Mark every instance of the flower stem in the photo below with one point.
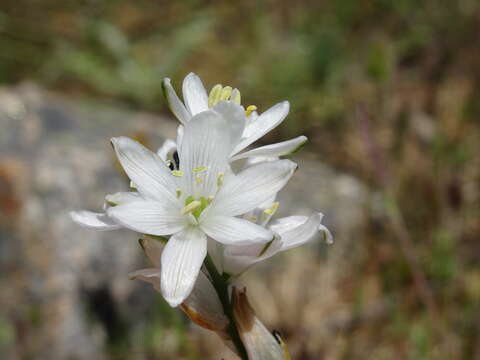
(221, 287)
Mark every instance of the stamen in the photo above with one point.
(177, 173)
(178, 192)
(272, 209)
(198, 179)
(132, 185)
(236, 97)
(220, 178)
(210, 199)
(199, 169)
(251, 218)
(192, 206)
(250, 109)
(214, 95)
(226, 92)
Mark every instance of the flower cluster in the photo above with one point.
(202, 223)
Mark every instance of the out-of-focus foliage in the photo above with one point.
(388, 91)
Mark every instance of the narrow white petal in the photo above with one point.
(274, 150)
(148, 172)
(282, 225)
(267, 121)
(168, 146)
(148, 217)
(205, 145)
(194, 94)
(176, 106)
(122, 197)
(326, 234)
(302, 233)
(231, 230)
(239, 259)
(252, 186)
(182, 259)
(234, 114)
(150, 275)
(180, 131)
(97, 221)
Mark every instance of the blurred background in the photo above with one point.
(388, 93)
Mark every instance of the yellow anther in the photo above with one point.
(214, 96)
(220, 178)
(178, 192)
(210, 199)
(272, 209)
(198, 179)
(250, 109)
(252, 219)
(132, 185)
(177, 173)
(195, 204)
(236, 97)
(226, 92)
(199, 169)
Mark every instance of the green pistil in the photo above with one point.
(203, 204)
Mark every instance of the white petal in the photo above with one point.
(204, 307)
(231, 230)
(147, 171)
(300, 234)
(182, 259)
(205, 144)
(176, 106)
(234, 114)
(168, 146)
(238, 259)
(326, 234)
(122, 197)
(267, 121)
(97, 221)
(194, 94)
(282, 225)
(252, 186)
(151, 276)
(148, 217)
(180, 131)
(275, 150)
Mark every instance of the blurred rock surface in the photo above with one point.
(66, 291)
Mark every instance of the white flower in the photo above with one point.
(196, 100)
(290, 232)
(200, 198)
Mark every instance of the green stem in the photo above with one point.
(221, 286)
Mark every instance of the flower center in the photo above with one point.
(195, 206)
